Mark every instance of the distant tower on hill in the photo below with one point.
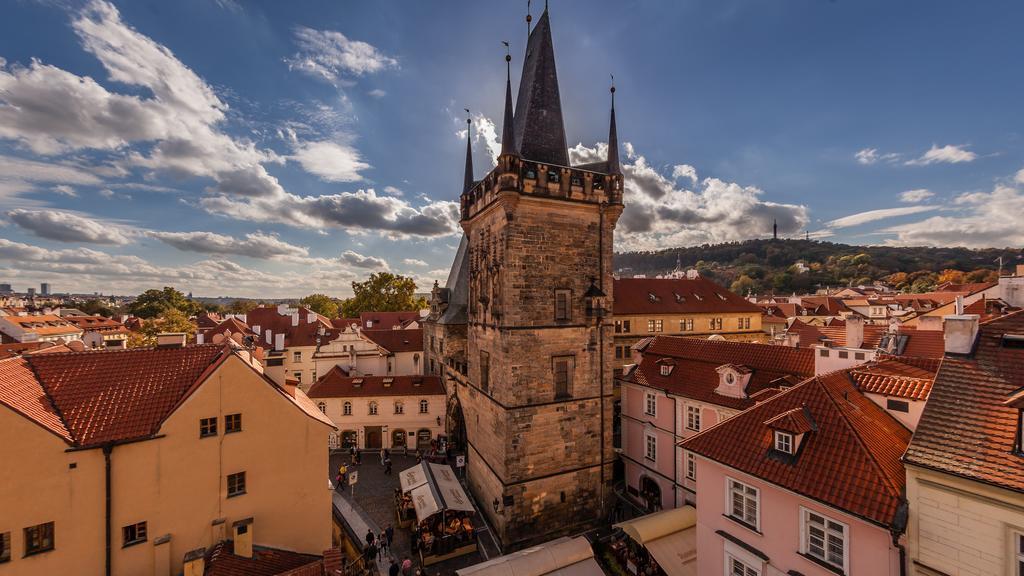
(775, 229)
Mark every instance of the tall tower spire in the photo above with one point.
(508, 138)
(613, 139)
(468, 182)
(539, 129)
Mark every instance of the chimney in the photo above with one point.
(270, 336)
(792, 339)
(218, 532)
(290, 385)
(959, 305)
(295, 319)
(854, 332)
(242, 532)
(256, 330)
(311, 317)
(929, 323)
(195, 562)
(278, 342)
(282, 309)
(171, 340)
(200, 338)
(960, 331)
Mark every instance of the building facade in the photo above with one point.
(532, 383)
(195, 440)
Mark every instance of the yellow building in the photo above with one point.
(124, 461)
(692, 306)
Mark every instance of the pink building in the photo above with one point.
(681, 386)
(808, 482)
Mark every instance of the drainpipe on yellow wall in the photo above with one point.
(107, 450)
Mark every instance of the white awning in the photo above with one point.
(453, 496)
(434, 487)
(562, 557)
(424, 502)
(413, 477)
(670, 536)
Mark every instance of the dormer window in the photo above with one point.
(652, 297)
(666, 369)
(784, 442)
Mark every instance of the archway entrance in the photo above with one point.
(650, 492)
(398, 439)
(373, 437)
(349, 438)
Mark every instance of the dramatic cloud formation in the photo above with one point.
(359, 261)
(917, 195)
(18, 175)
(485, 132)
(329, 55)
(948, 154)
(331, 161)
(979, 220)
(254, 245)
(68, 227)
(874, 215)
(660, 214)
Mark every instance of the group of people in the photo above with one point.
(633, 558)
(442, 533)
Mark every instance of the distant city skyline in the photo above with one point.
(272, 150)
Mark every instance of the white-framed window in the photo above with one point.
(372, 409)
(346, 409)
(651, 405)
(686, 325)
(824, 538)
(691, 466)
(424, 406)
(736, 567)
(784, 442)
(743, 503)
(651, 447)
(322, 406)
(297, 356)
(399, 407)
(1018, 548)
(693, 418)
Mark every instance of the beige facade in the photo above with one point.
(396, 423)
(632, 328)
(958, 527)
(175, 482)
(359, 355)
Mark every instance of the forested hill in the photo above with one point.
(772, 265)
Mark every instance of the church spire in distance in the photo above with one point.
(613, 138)
(468, 183)
(508, 140)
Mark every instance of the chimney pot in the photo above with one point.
(959, 332)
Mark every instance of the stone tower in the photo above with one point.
(533, 382)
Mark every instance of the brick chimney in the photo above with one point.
(929, 323)
(960, 330)
(854, 332)
(278, 342)
(243, 538)
(195, 562)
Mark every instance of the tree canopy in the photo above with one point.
(382, 292)
(321, 304)
(171, 320)
(154, 302)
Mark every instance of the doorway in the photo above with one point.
(373, 437)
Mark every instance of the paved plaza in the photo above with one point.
(374, 498)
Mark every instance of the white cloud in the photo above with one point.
(331, 161)
(685, 171)
(359, 261)
(329, 55)
(107, 193)
(976, 220)
(916, 195)
(658, 214)
(1019, 177)
(377, 93)
(948, 154)
(254, 245)
(65, 190)
(19, 176)
(485, 132)
(69, 227)
(393, 191)
(869, 156)
(414, 262)
(874, 215)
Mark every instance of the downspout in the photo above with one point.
(899, 527)
(107, 450)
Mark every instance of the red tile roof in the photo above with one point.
(851, 461)
(335, 384)
(409, 340)
(895, 376)
(18, 348)
(676, 296)
(96, 323)
(222, 561)
(698, 360)
(44, 324)
(387, 320)
(918, 343)
(230, 325)
(20, 391)
(304, 334)
(795, 421)
(969, 288)
(823, 305)
(966, 429)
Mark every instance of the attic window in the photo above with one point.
(697, 296)
(652, 297)
(1013, 341)
(388, 382)
(720, 297)
(666, 369)
(783, 442)
(679, 297)
(357, 382)
(417, 382)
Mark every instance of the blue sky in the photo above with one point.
(279, 148)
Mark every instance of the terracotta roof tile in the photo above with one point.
(20, 390)
(894, 377)
(409, 340)
(918, 343)
(335, 384)
(676, 296)
(851, 461)
(43, 324)
(795, 421)
(697, 362)
(222, 561)
(303, 334)
(966, 429)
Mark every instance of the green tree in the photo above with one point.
(744, 285)
(154, 302)
(382, 292)
(242, 306)
(172, 320)
(95, 306)
(321, 304)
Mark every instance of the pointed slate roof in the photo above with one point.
(468, 181)
(508, 139)
(539, 129)
(458, 287)
(613, 141)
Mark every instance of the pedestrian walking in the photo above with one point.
(394, 568)
(382, 451)
(370, 537)
(371, 553)
(389, 532)
(387, 465)
(338, 482)
(406, 567)
(382, 542)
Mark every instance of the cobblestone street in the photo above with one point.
(374, 497)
